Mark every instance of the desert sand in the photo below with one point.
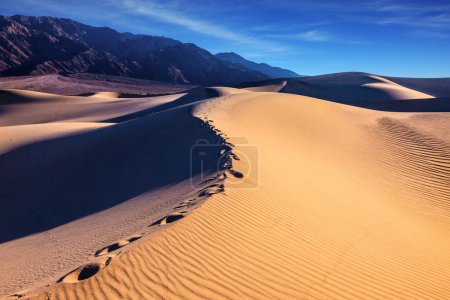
(85, 83)
(394, 90)
(315, 200)
(356, 87)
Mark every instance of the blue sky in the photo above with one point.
(387, 37)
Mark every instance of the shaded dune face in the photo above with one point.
(414, 105)
(52, 182)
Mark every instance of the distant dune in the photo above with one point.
(84, 83)
(26, 107)
(260, 192)
(358, 87)
(437, 87)
(394, 90)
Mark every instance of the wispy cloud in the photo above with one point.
(439, 22)
(163, 13)
(318, 36)
(378, 12)
(309, 36)
(384, 6)
(417, 19)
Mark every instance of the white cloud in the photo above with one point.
(438, 21)
(319, 36)
(315, 36)
(162, 13)
(309, 36)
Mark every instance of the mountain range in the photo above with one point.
(273, 72)
(49, 45)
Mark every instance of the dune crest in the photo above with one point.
(394, 90)
(274, 87)
(112, 95)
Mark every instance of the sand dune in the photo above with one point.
(356, 87)
(193, 96)
(13, 137)
(69, 189)
(87, 170)
(394, 90)
(20, 107)
(437, 87)
(325, 201)
(106, 95)
(275, 87)
(85, 83)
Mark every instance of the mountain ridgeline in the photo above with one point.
(273, 72)
(49, 45)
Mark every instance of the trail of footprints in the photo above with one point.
(191, 199)
(207, 188)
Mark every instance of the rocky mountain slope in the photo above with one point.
(48, 45)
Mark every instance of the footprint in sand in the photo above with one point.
(236, 174)
(117, 245)
(169, 219)
(227, 164)
(86, 271)
(218, 178)
(185, 204)
(234, 156)
(16, 296)
(180, 206)
(211, 190)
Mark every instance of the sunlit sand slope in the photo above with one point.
(394, 90)
(347, 203)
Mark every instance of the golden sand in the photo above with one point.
(347, 203)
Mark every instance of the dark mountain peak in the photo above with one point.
(273, 72)
(231, 55)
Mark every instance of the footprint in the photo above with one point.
(181, 206)
(169, 219)
(172, 218)
(236, 174)
(117, 245)
(234, 156)
(86, 271)
(185, 204)
(218, 178)
(211, 190)
(16, 296)
(227, 164)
